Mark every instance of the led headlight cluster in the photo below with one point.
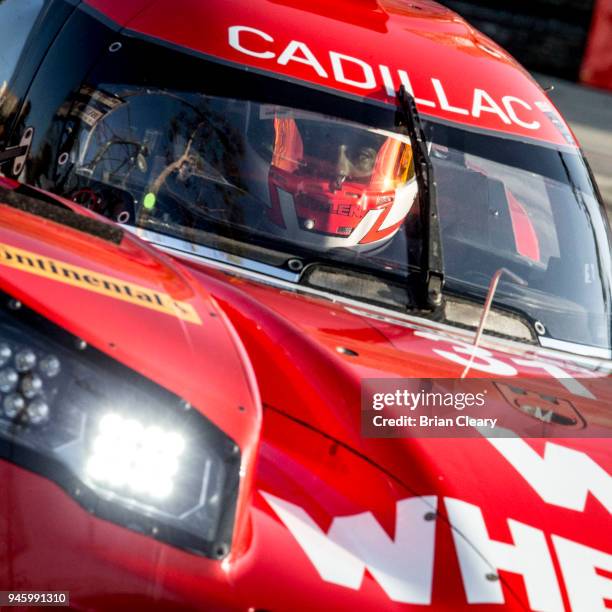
(125, 448)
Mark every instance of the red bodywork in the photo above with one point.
(275, 352)
(364, 48)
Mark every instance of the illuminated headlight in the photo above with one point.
(142, 460)
(126, 449)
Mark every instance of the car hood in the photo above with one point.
(497, 500)
(321, 493)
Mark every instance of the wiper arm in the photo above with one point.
(432, 263)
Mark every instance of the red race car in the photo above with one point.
(242, 245)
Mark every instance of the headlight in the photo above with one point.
(125, 448)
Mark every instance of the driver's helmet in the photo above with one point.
(330, 183)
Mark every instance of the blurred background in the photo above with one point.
(566, 44)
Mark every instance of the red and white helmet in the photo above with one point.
(331, 183)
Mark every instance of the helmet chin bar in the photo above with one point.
(375, 221)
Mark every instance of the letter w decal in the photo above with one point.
(563, 477)
(403, 567)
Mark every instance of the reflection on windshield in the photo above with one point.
(192, 165)
(530, 219)
(229, 166)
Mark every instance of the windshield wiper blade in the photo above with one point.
(432, 263)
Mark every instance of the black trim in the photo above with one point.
(25, 200)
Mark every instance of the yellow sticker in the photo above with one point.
(110, 286)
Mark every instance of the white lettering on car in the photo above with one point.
(562, 477)
(403, 567)
(404, 79)
(528, 556)
(234, 41)
(487, 364)
(444, 105)
(338, 60)
(299, 52)
(508, 102)
(586, 589)
(462, 352)
(307, 57)
(483, 102)
(494, 365)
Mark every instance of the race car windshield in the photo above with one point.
(206, 165)
(242, 169)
